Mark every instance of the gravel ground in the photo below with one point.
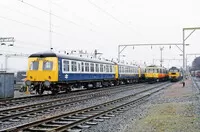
(78, 106)
(174, 109)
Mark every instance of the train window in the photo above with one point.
(47, 65)
(87, 67)
(82, 66)
(104, 68)
(34, 65)
(111, 70)
(66, 65)
(175, 70)
(97, 67)
(74, 66)
(126, 69)
(101, 67)
(92, 67)
(123, 69)
(79, 67)
(107, 68)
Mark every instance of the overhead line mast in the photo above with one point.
(50, 27)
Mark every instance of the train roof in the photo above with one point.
(154, 66)
(79, 58)
(172, 68)
(122, 64)
(66, 56)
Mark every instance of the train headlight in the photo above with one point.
(28, 83)
(47, 83)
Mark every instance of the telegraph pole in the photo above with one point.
(161, 60)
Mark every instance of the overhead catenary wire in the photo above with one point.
(47, 12)
(30, 25)
(26, 14)
(66, 10)
(23, 23)
(108, 14)
(61, 18)
(33, 26)
(55, 15)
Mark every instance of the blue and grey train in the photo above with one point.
(50, 71)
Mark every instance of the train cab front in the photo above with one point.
(173, 76)
(42, 73)
(151, 77)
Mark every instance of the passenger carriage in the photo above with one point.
(57, 72)
(128, 73)
(156, 74)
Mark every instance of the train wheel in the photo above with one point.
(116, 83)
(40, 89)
(54, 92)
(68, 90)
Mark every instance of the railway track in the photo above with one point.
(14, 114)
(34, 99)
(77, 118)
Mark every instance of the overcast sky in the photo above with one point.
(102, 25)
